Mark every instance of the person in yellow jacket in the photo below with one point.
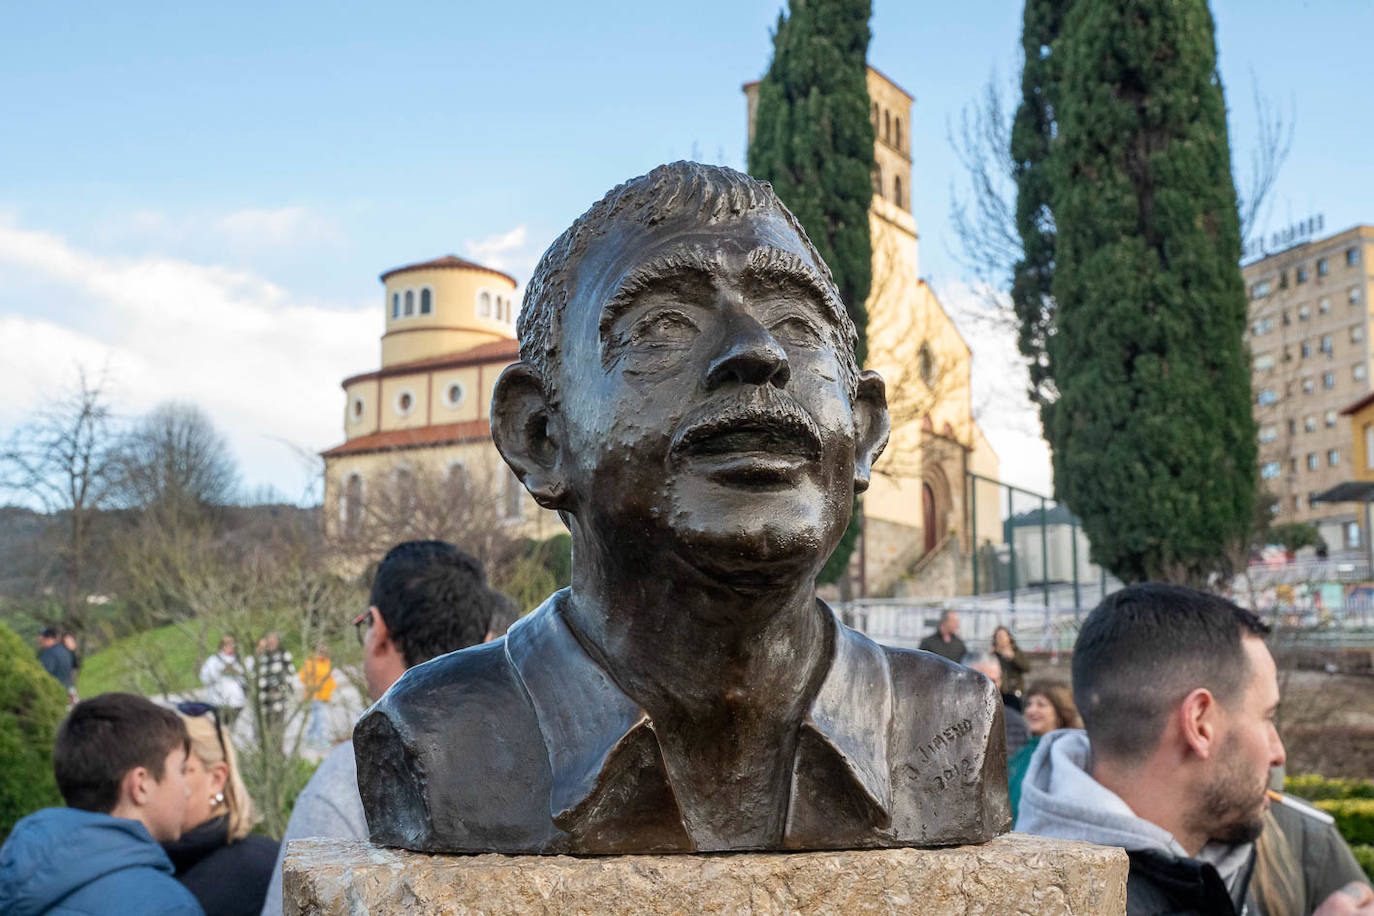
(317, 674)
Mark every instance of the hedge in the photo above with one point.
(1317, 788)
(1365, 856)
(32, 704)
(1354, 818)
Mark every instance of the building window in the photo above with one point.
(1327, 346)
(1352, 534)
(1352, 295)
(1358, 371)
(1352, 257)
(1292, 427)
(897, 191)
(1330, 418)
(1329, 380)
(1297, 502)
(1259, 290)
(1308, 386)
(484, 304)
(395, 305)
(405, 402)
(456, 479)
(897, 133)
(1264, 361)
(1266, 397)
(410, 303)
(351, 506)
(1283, 279)
(426, 301)
(1309, 423)
(1369, 445)
(405, 492)
(1323, 305)
(1268, 433)
(355, 410)
(515, 497)
(877, 182)
(1304, 313)
(1263, 326)
(1302, 274)
(1314, 461)
(887, 126)
(1306, 349)
(1356, 333)
(1333, 457)
(1270, 470)
(1323, 267)
(453, 394)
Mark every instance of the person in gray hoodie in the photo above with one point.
(1178, 694)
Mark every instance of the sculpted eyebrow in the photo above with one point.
(777, 264)
(685, 261)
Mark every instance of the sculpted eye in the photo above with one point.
(798, 331)
(662, 329)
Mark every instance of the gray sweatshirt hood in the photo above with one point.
(1059, 799)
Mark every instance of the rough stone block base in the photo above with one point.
(1014, 874)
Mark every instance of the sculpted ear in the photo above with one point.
(871, 426)
(524, 428)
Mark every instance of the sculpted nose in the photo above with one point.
(749, 355)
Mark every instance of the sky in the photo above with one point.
(196, 199)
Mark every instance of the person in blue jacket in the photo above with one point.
(120, 762)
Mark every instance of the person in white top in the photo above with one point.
(222, 674)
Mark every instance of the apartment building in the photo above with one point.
(1310, 321)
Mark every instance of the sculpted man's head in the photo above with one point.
(687, 387)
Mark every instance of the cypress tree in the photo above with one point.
(813, 140)
(1152, 432)
(1032, 135)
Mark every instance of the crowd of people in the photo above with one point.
(1164, 745)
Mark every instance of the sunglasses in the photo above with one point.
(360, 625)
(196, 709)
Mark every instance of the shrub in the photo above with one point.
(1316, 788)
(1354, 818)
(1365, 856)
(32, 703)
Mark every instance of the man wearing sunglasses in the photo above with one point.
(428, 598)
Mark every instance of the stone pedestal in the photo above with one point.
(1014, 874)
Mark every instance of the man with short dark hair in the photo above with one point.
(945, 640)
(1178, 694)
(428, 598)
(56, 658)
(120, 762)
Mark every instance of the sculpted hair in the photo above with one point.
(709, 193)
(105, 737)
(1145, 648)
(434, 599)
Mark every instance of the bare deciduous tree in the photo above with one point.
(174, 462)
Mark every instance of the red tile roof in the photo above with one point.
(447, 262)
(400, 439)
(503, 352)
(1359, 405)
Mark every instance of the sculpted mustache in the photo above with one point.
(780, 417)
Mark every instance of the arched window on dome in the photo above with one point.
(426, 301)
(395, 305)
(484, 304)
(410, 302)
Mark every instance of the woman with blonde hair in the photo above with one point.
(218, 858)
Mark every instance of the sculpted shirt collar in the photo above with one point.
(586, 720)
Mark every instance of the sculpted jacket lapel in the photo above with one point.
(608, 776)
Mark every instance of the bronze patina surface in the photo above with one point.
(687, 399)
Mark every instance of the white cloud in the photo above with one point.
(1000, 381)
(255, 228)
(508, 251)
(265, 364)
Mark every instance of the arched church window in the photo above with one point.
(426, 301)
(410, 302)
(395, 305)
(897, 133)
(897, 191)
(484, 304)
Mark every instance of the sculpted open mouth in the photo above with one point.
(755, 448)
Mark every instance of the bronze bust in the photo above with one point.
(687, 399)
